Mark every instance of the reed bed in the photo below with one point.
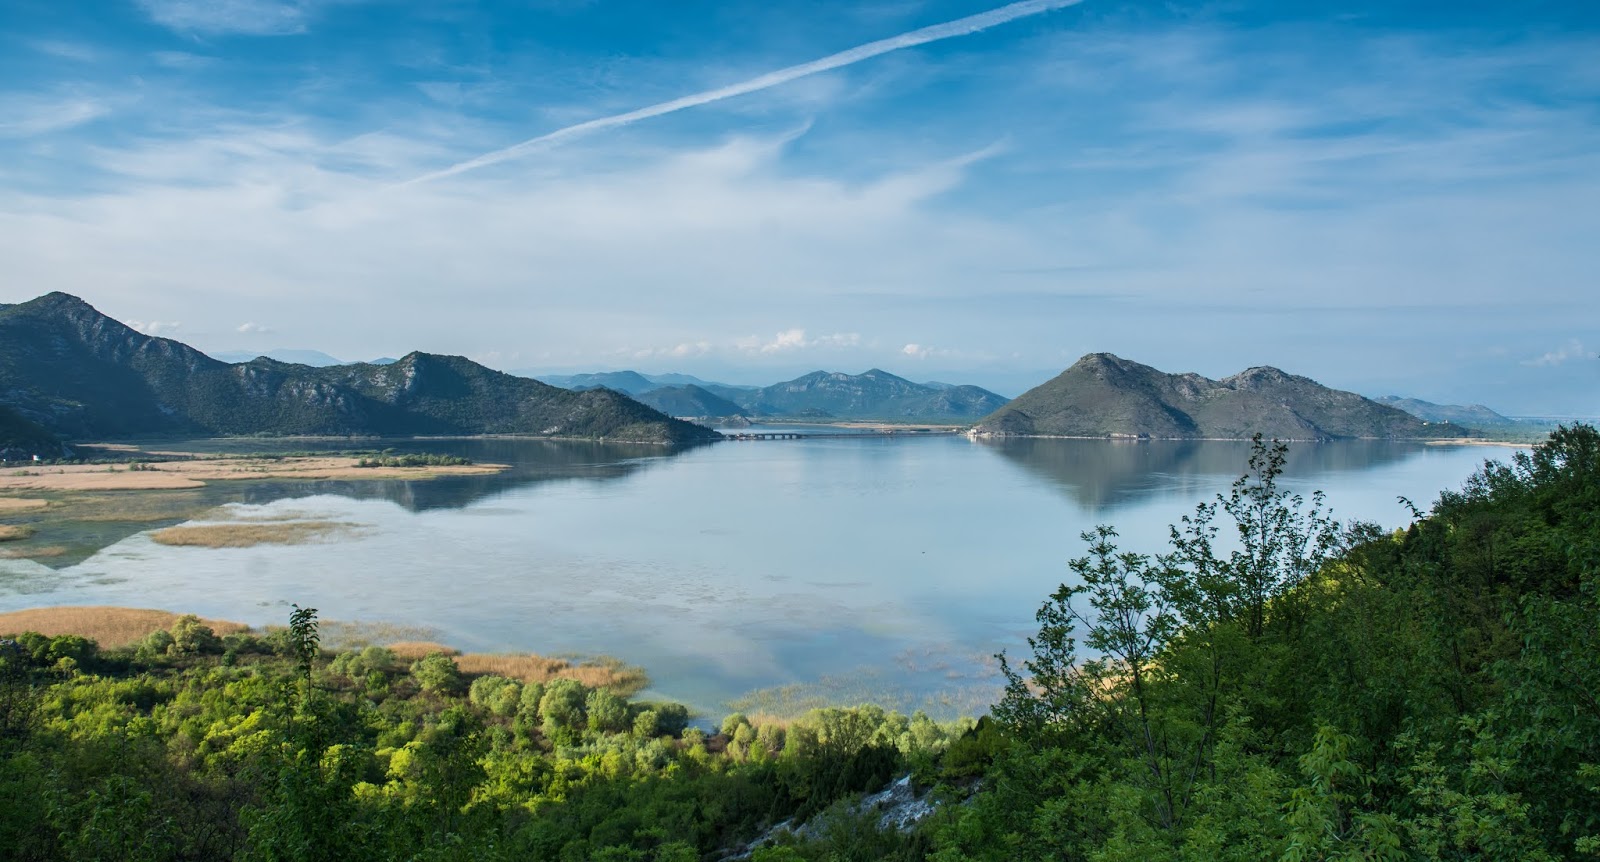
(413, 650)
(14, 532)
(21, 504)
(111, 627)
(248, 535)
(607, 673)
(38, 553)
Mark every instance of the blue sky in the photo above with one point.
(1390, 197)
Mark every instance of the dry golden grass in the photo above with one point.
(111, 627)
(603, 673)
(197, 472)
(12, 533)
(21, 504)
(413, 650)
(248, 535)
(32, 553)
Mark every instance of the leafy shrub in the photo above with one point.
(437, 673)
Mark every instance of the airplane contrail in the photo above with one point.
(932, 33)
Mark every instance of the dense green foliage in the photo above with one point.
(191, 746)
(1103, 395)
(1429, 694)
(86, 376)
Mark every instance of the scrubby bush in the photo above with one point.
(192, 637)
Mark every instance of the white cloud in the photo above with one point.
(795, 339)
(23, 116)
(916, 351)
(154, 327)
(246, 17)
(1573, 349)
(253, 328)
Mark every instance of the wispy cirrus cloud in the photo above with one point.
(228, 17)
(28, 115)
(935, 33)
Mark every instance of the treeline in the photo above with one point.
(413, 459)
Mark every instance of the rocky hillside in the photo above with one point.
(1103, 395)
(83, 375)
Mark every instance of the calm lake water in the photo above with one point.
(770, 575)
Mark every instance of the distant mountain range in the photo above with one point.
(631, 382)
(874, 394)
(1103, 395)
(81, 375)
(1472, 416)
(313, 358)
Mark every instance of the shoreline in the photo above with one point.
(197, 472)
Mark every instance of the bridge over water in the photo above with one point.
(806, 435)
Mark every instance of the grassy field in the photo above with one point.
(111, 627)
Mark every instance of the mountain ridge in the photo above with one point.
(1104, 395)
(83, 375)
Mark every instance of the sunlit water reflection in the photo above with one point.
(813, 570)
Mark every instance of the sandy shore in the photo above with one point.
(196, 473)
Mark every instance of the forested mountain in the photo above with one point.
(21, 439)
(875, 394)
(689, 400)
(83, 375)
(1472, 416)
(1103, 395)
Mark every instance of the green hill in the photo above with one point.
(689, 400)
(874, 394)
(1103, 395)
(83, 375)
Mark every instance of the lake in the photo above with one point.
(767, 575)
